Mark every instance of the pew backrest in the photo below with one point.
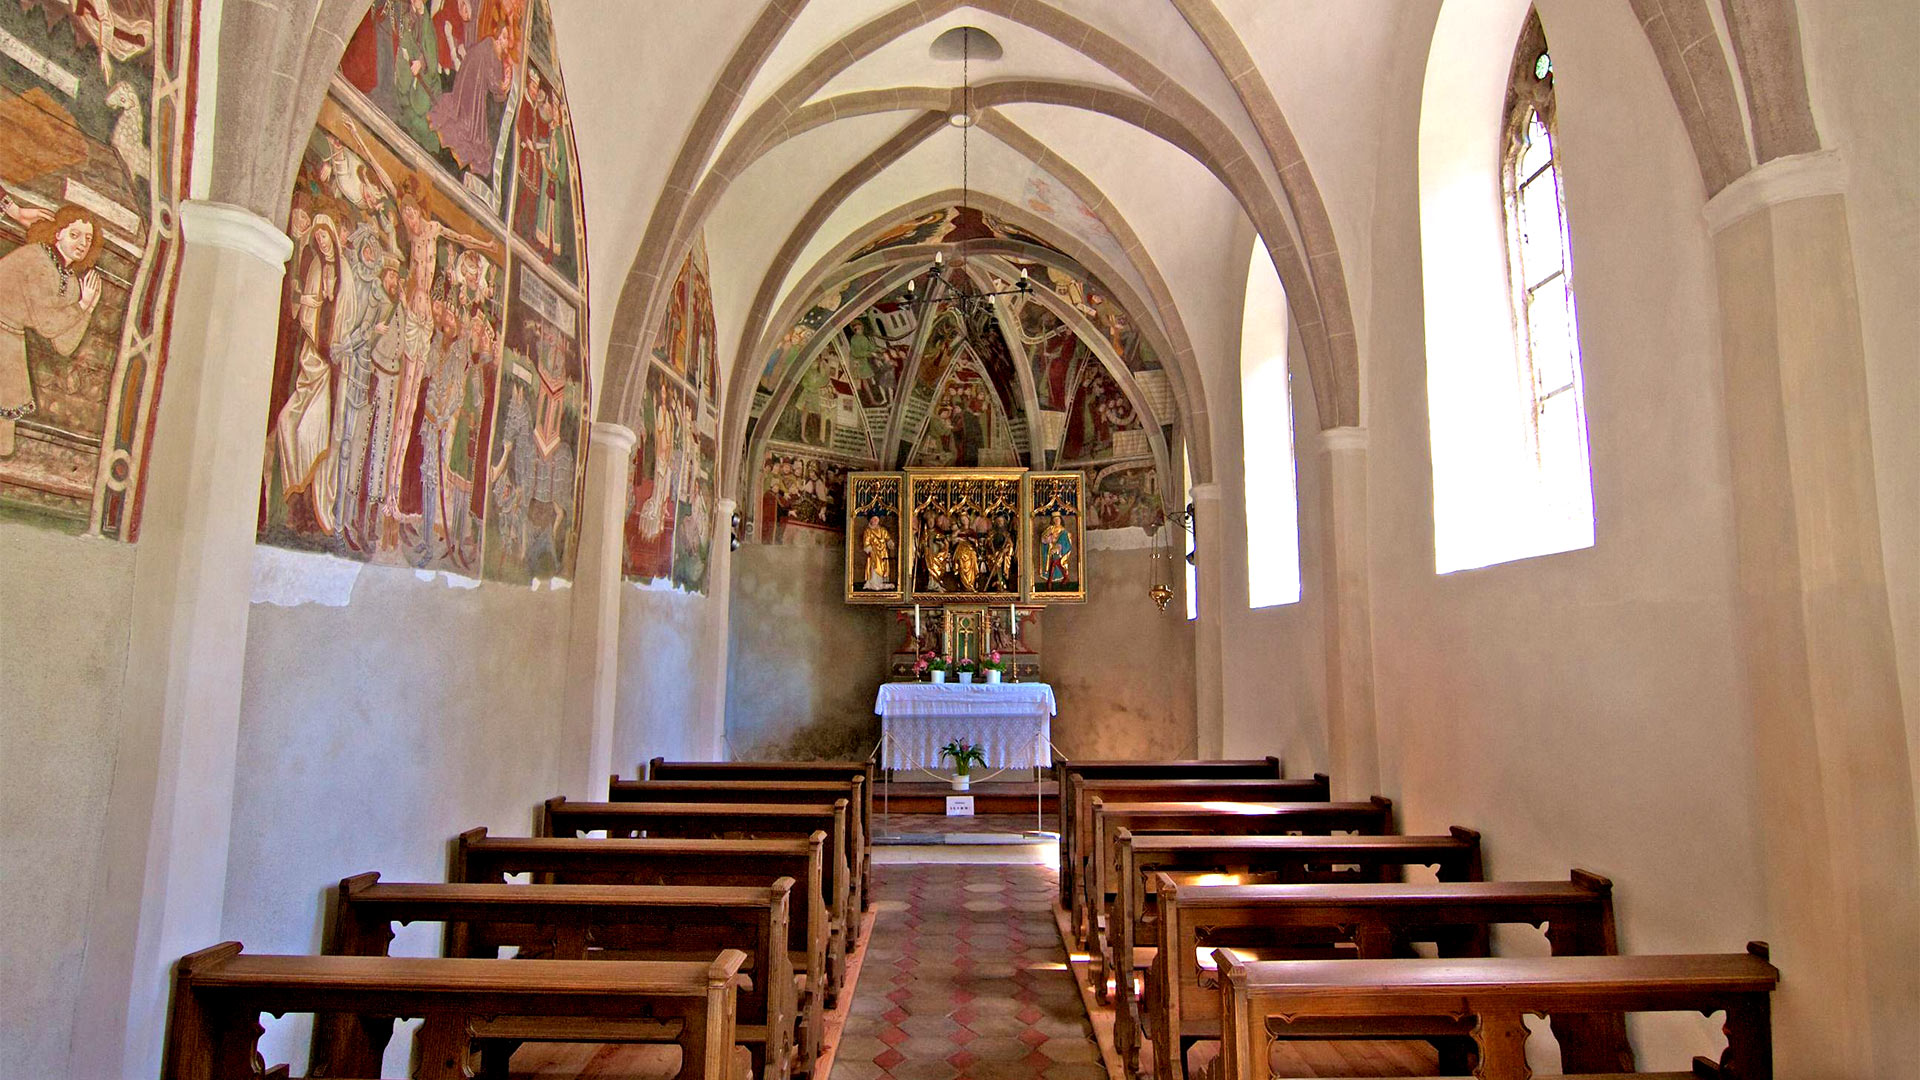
(1259, 1000)
(219, 993)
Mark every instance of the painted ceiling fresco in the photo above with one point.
(913, 379)
(95, 118)
(430, 397)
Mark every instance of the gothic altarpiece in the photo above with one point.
(967, 558)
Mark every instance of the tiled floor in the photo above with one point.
(965, 980)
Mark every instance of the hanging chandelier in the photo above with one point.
(944, 286)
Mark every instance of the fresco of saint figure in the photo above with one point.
(48, 286)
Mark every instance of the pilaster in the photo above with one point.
(1353, 742)
(593, 653)
(1815, 626)
(1209, 652)
(161, 892)
(719, 632)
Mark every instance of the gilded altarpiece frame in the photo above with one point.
(876, 544)
(1054, 563)
(964, 543)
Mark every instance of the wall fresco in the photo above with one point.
(430, 396)
(93, 163)
(670, 513)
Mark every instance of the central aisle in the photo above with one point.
(964, 977)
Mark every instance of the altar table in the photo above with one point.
(1012, 722)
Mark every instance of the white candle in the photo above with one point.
(916, 620)
(1013, 621)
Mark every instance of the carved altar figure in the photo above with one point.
(878, 543)
(1058, 546)
(966, 563)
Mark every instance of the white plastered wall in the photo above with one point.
(1582, 709)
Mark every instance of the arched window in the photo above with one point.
(1504, 390)
(1540, 281)
(1266, 435)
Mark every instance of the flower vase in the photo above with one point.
(939, 676)
(966, 678)
(993, 677)
(962, 781)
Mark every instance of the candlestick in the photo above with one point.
(1013, 622)
(916, 621)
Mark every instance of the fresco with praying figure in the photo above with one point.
(430, 396)
(670, 511)
(95, 132)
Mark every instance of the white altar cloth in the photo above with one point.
(1012, 722)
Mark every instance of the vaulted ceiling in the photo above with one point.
(1140, 144)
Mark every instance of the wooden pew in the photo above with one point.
(786, 792)
(1078, 838)
(1267, 768)
(581, 922)
(1211, 818)
(478, 857)
(1131, 918)
(560, 816)
(213, 1026)
(662, 769)
(1377, 921)
(1489, 997)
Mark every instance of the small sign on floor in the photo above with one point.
(959, 806)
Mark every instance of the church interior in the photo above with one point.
(1422, 497)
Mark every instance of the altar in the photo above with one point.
(1012, 722)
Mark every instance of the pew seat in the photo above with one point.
(219, 993)
(1489, 997)
(603, 922)
(1368, 921)
(480, 858)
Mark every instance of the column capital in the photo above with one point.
(1343, 438)
(234, 228)
(1208, 491)
(1785, 179)
(616, 437)
(725, 507)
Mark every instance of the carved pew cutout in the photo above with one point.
(580, 922)
(213, 1027)
(478, 857)
(1322, 998)
(1369, 921)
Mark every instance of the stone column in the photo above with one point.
(719, 628)
(593, 652)
(1815, 625)
(161, 891)
(1209, 664)
(1353, 742)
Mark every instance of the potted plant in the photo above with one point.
(996, 665)
(966, 668)
(965, 756)
(935, 666)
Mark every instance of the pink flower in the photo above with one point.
(995, 657)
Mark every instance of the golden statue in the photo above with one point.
(966, 563)
(878, 543)
(938, 563)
